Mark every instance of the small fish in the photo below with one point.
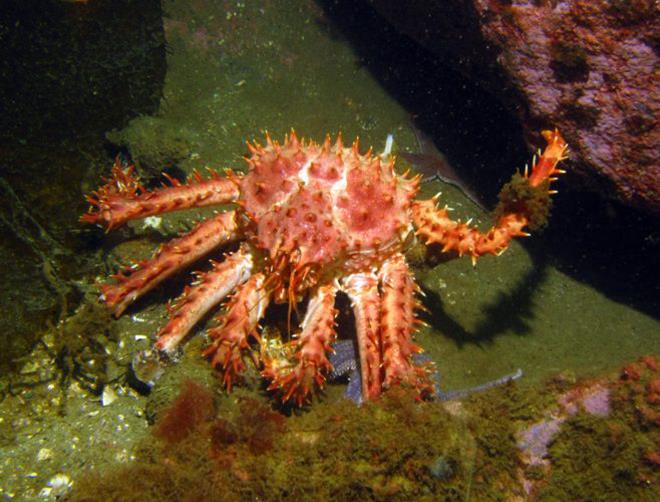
(433, 165)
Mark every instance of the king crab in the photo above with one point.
(312, 220)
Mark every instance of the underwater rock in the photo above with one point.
(154, 144)
(74, 70)
(145, 370)
(534, 441)
(584, 425)
(585, 67)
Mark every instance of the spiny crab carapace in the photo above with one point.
(312, 220)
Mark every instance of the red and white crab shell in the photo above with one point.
(312, 220)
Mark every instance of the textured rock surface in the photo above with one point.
(588, 68)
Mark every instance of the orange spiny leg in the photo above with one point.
(296, 380)
(397, 321)
(122, 198)
(524, 201)
(362, 289)
(175, 255)
(555, 152)
(230, 340)
(209, 290)
(435, 226)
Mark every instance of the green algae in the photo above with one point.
(390, 449)
(595, 458)
(613, 457)
(518, 196)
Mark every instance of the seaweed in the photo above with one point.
(595, 458)
(397, 449)
(518, 196)
(192, 407)
(613, 457)
(394, 448)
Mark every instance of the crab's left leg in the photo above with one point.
(362, 289)
(296, 381)
(397, 324)
(230, 341)
(524, 202)
(142, 277)
(209, 289)
(123, 198)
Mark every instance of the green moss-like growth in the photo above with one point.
(394, 449)
(154, 143)
(595, 458)
(518, 196)
(613, 457)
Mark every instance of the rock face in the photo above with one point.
(588, 68)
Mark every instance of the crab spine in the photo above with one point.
(362, 289)
(209, 289)
(397, 322)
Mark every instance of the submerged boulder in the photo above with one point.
(584, 67)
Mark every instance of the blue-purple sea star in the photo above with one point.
(344, 363)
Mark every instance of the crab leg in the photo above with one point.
(210, 289)
(315, 340)
(122, 198)
(435, 226)
(239, 323)
(362, 289)
(397, 320)
(169, 258)
(524, 202)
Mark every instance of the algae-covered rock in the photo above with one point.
(585, 67)
(154, 143)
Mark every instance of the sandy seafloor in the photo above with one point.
(233, 73)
